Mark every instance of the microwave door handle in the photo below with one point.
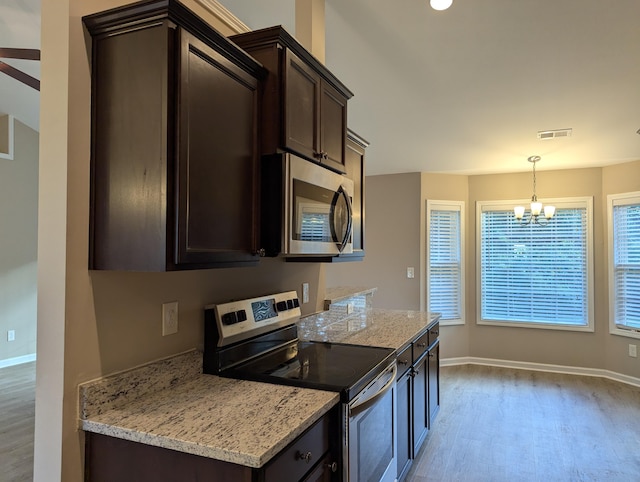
(345, 239)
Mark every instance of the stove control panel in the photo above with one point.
(242, 319)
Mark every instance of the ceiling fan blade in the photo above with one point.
(23, 54)
(20, 75)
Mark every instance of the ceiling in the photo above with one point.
(20, 28)
(460, 91)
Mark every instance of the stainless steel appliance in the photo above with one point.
(256, 339)
(306, 208)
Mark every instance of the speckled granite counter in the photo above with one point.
(340, 293)
(236, 421)
(375, 327)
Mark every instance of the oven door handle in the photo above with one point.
(365, 404)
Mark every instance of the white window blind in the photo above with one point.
(535, 274)
(315, 227)
(624, 281)
(445, 282)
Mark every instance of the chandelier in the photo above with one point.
(536, 206)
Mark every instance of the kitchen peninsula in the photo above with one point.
(171, 413)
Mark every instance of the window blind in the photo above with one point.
(626, 265)
(315, 227)
(445, 285)
(534, 274)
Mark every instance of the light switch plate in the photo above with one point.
(410, 272)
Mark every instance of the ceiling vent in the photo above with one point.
(554, 134)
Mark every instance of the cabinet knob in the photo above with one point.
(435, 333)
(415, 372)
(431, 355)
(333, 467)
(422, 345)
(304, 456)
(403, 362)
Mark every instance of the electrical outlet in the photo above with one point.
(349, 308)
(633, 351)
(11, 335)
(305, 292)
(410, 272)
(169, 318)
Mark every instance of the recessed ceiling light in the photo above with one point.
(440, 4)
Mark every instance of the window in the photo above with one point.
(624, 263)
(536, 276)
(445, 260)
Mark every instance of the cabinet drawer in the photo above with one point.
(420, 346)
(434, 332)
(301, 455)
(404, 361)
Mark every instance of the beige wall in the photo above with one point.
(447, 187)
(18, 244)
(528, 344)
(96, 323)
(384, 262)
(617, 179)
(392, 243)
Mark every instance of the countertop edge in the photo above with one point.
(208, 451)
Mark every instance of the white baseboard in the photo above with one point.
(541, 367)
(9, 362)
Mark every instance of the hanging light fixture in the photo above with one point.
(440, 4)
(536, 206)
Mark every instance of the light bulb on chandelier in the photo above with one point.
(536, 206)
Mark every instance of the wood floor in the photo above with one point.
(494, 424)
(498, 424)
(17, 412)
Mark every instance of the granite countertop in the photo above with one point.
(340, 293)
(376, 327)
(236, 421)
(171, 404)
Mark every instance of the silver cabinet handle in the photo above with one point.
(304, 456)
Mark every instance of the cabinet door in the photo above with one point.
(333, 127)
(404, 449)
(217, 161)
(302, 107)
(354, 166)
(420, 402)
(434, 382)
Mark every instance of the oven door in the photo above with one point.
(370, 447)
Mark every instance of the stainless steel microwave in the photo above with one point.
(306, 208)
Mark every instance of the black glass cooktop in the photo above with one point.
(335, 367)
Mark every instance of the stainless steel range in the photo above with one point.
(256, 339)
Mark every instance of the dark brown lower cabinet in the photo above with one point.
(403, 422)
(418, 397)
(313, 456)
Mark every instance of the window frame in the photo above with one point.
(459, 206)
(585, 202)
(622, 199)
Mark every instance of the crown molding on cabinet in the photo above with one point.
(225, 15)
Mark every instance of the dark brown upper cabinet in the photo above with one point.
(354, 164)
(305, 105)
(175, 142)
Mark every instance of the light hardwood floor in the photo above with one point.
(17, 412)
(495, 424)
(498, 424)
